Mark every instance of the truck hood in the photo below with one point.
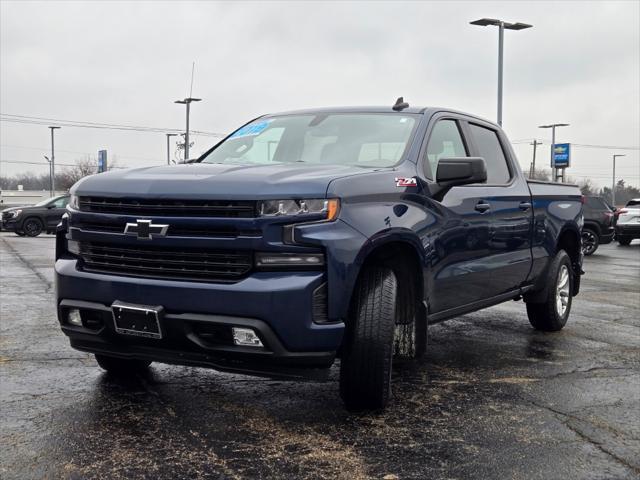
(216, 181)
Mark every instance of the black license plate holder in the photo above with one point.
(137, 320)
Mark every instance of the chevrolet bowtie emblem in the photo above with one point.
(145, 229)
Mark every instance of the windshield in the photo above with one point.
(47, 201)
(367, 140)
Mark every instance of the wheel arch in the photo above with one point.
(593, 226)
(401, 251)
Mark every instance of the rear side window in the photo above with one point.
(445, 142)
(490, 149)
(596, 203)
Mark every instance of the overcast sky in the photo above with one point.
(122, 62)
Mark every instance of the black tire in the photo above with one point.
(545, 315)
(32, 227)
(590, 241)
(624, 241)
(121, 366)
(365, 368)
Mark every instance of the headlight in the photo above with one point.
(276, 208)
(15, 213)
(73, 202)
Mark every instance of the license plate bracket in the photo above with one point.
(137, 320)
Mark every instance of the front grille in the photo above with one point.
(167, 263)
(168, 208)
(172, 231)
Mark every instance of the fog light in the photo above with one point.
(74, 317)
(246, 337)
(289, 260)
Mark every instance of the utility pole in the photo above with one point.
(187, 101)
(533, 163)
(52, 166)
(502, 25)
(169, 135)
(554, 170)
(613, 184)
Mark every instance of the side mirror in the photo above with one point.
(49, 207)
(459, 171)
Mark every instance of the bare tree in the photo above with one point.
(542, 174)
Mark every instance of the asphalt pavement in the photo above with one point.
(493, 398)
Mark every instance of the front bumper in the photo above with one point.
(278, 305)
(9, 225)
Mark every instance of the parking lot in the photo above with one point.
(492, 398)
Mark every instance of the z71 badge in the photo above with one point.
(406, 182)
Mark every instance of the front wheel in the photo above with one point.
(365, 368)
(590, 241)
(551, 314)
(624, 241)
(121, 366)
(32, 227)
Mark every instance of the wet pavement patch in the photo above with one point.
(492, 398)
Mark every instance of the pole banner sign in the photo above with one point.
(102, 161)
(562, 155)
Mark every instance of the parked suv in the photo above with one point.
(308, 236)
(598, 224)
(32, 220)
(628, 226)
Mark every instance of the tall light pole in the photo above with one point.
(535, 144)
(52, 166)
(613, 184)
(169, 135)
(187, 101)
(554, 170)
(502, 25)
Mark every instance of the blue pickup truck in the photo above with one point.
(312, 235)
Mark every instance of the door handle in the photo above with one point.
(482, 207)
(524, 206)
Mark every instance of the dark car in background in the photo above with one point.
(34, 219)
(599, 225)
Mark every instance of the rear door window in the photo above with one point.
(489, 148)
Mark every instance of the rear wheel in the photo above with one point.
(590, 241)
(121, 366)
(551, 314)
(32, 227)
(365, 368)
(624, 241)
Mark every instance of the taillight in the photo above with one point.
(623, 210)
(583, 199)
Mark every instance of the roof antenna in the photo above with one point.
(400, 104)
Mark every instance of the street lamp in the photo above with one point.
(169, 135)
(483, 22)
(613, 185)
(52, 166)
(553, 126)
(187, 101)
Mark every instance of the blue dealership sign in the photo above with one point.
(102, 161)
(562, 155)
